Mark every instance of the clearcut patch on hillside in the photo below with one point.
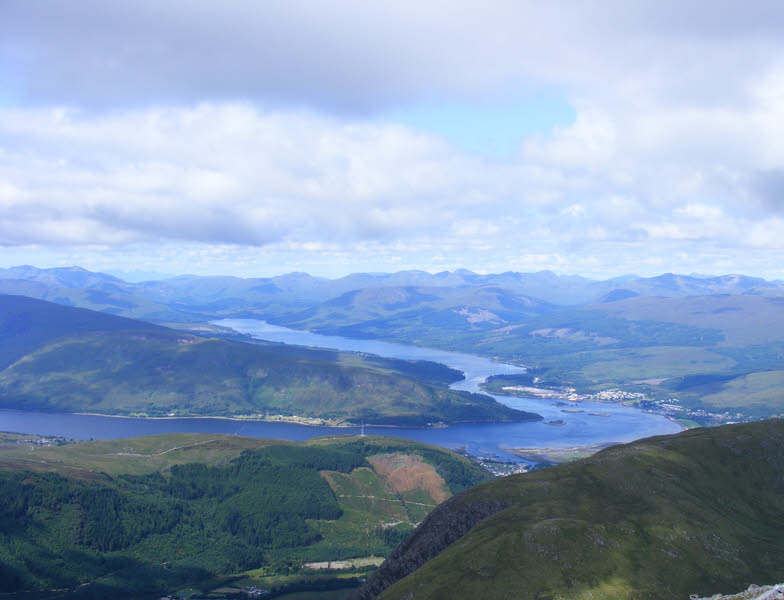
(406, 473)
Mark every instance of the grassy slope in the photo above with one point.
(607, 345)
(744, 320)
(75, 360)
(27, 324)
(700, 512)
(135, 456)
(466, 308)
(738, 374)
(591, 348)
(53, 524)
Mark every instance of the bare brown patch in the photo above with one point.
(330, 477)
(406, 473)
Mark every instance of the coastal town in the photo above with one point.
(670, 406)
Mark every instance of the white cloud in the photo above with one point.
(248, 128)
(590, 141)
(700, 211)
(227, 173)
(295, 183)
(353, 55)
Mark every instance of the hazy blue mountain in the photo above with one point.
(673, 285)
(74, 286)
(64, 276)
(368, 311)
(190, 298)
(619, 294)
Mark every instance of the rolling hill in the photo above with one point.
(74, 360)
(700, 512)
(137, 518)
(415, 314)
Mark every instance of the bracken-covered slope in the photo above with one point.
(701, 512)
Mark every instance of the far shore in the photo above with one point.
(292, 420)
(307, 421)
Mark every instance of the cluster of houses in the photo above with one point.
(502, 469)
(242, 591)
(41, 441)
(671, 407)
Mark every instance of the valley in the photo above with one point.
(710, 343)
(304, 505)
(391, 300)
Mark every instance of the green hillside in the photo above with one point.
(27, 324)
(140, 517)
(701, 512)
(74, 360)
(720, 356)
(408, 312)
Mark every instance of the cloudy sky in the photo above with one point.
(257, 138)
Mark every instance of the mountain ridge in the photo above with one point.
(188, 297)
(659, 518)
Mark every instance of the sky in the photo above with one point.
(250, 138)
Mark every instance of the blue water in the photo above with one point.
(623, 424)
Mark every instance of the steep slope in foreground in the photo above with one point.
(137, 518)
(700, 512)
(75, 360)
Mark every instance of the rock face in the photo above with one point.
(445, 525)
(754, 592)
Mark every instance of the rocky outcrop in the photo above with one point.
(754, 592)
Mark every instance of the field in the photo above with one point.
(134, 456)
(754, 393)
(661, 362)
(743, 320)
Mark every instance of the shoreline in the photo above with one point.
(494, 359)
(544, 394)
(293, 420)
(577, 402)
(556, 456)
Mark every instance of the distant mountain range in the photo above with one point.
(192, 298)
